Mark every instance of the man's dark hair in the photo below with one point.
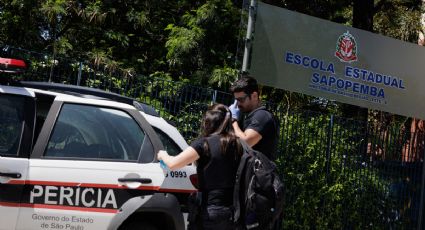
(246, 84)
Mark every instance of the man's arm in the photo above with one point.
(250, 136)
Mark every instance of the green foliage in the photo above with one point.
(189, 120)
(182, 42)
(139, 19)
(120, 38)
(53, 9)
(398, 19)
(63, 46)
(92, 12)
(223, 77)
(338, 190)
(185, 39)
(199, 44)
(334, 10)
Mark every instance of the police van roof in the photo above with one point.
(90, 93)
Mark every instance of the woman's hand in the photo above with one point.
(188, 156)
(162, 154)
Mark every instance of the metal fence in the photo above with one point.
(339, 173)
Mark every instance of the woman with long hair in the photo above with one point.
(217, 152)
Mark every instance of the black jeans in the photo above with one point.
(217, 217)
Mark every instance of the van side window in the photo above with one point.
(84, 131)
(170, 146)
(11, 124)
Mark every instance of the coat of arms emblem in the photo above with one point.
(346, 48)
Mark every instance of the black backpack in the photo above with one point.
(258, 193)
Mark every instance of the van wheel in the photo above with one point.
(138, 225)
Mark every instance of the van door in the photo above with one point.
(88, 161)
(16, 125)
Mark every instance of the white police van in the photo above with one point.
(77, 158)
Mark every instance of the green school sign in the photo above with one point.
(309, 55)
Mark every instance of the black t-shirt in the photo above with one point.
(262, 121)
(219, 171)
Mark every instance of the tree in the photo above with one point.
(20, 22)
(203, 44)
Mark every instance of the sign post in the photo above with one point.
(248, 37)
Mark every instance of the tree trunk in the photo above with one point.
(363, 11)
(414, 148)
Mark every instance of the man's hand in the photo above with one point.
(234, 110)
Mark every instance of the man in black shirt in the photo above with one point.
(260, 128)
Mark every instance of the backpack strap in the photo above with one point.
(238, 180)
(237, 189)
(255, 110)
(245, 145)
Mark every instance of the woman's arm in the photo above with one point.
(189, 155)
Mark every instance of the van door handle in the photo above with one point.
(11, 175)
(140, 180)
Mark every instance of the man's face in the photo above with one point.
(244, 101)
